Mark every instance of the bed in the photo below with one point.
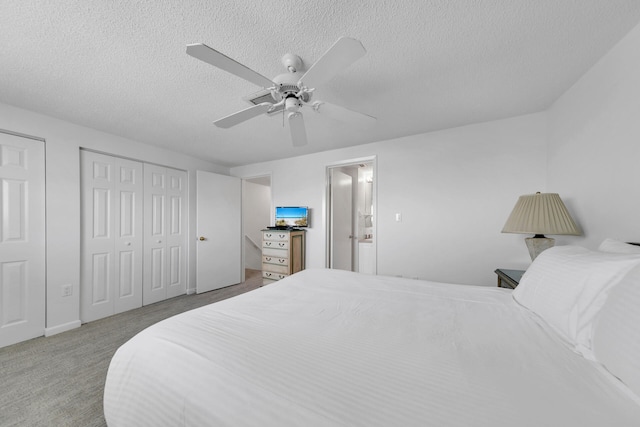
(335, 348)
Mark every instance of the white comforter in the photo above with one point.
(333, 348)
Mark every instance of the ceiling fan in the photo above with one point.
(292, 90)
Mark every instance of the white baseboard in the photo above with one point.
(191, 291)
(61, 328)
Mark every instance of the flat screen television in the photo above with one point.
(292, 216)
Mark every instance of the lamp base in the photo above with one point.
(537, 245)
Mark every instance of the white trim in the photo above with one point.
(22, 135)
(62, 328)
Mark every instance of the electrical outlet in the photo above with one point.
(67, 290)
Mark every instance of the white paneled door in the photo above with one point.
(219, 224)
(111, 265)
(165, 222)
(22, 239)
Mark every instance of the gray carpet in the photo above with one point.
(59, 380)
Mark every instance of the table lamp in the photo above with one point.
(540, 214)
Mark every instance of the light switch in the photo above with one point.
(398, 217)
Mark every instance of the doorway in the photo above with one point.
(256, 216)
(351, 198)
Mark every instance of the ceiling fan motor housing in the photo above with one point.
(287, 86)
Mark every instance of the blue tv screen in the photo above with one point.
(292, 216)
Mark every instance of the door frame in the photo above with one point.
(326, 211)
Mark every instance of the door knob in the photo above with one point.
(202, 238)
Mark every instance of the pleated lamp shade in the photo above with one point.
(540, 214)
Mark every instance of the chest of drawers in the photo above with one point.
(283, 253)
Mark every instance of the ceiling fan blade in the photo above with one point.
(243, 115)
(298, 132)
(343, 53)
(342, 114)
(211, 56)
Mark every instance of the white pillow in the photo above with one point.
(617, 247)
(567, 285)
(616, 331)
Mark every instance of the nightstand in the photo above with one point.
(508, 278)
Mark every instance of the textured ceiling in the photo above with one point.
(121, 67)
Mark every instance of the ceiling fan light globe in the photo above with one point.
(292, 104)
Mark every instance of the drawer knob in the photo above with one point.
(281, 244)
(281, 260)
(267, 243)
(268, 258)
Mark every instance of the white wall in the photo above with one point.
(256, 215)
(63, 142)
(594, 146)
(454, 188)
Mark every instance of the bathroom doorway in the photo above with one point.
(351, 198)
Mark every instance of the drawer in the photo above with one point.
(275, 244)
(269, 275)
(275, 236)
(278, 253)
(275, 260)
(272, 268)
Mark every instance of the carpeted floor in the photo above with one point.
(59, 380)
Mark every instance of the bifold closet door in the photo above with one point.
(165, 220)
(112, 239)
(22, 239)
